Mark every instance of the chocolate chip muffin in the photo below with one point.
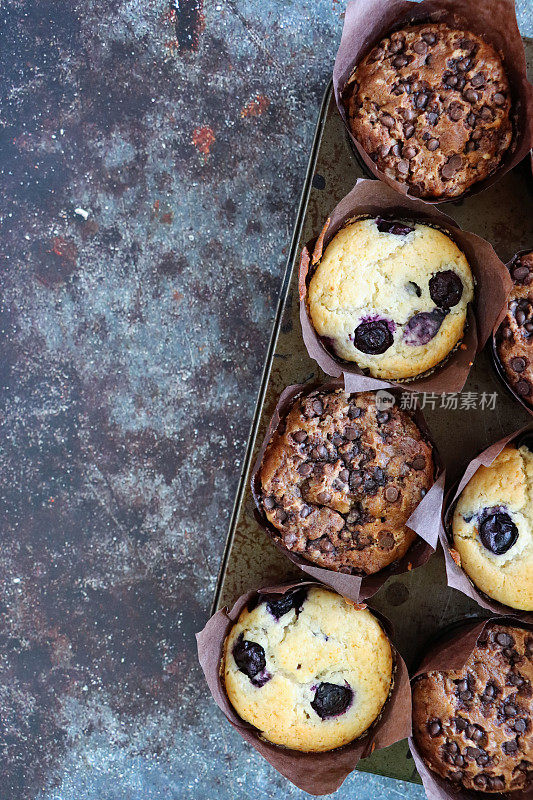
(308, 669)
(514, 340)
(431, 105)
(391, 296)
(340, 478)
(474, 725)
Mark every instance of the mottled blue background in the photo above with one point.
(152, 157)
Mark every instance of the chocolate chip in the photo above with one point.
(452, 165)
(445, 288)
(370, 486)
(450, 80)
(480, 781)
(504, 639)
(432, 144)
(305, 469)
(403, 167)
(356, 480)
(464, 64)
(387, 121)
(430, 38)
(520, 725)
(351, 433)
(498, 533)
(520, 272)
(510, 747)
(510, 710)
(461, 724)
(324, 497)
(473, 752)
(499, 99)
(520, 316)
(354, 412)
(330, 700)
(435, 728)
(409, 152)
(486, 114)
(386, 540)
(523, 388)
(391, 494)
(400, 61)
(471, 120)
(344, 475)
(382, 417)
(467, 44)
(496, 783)
(299, 436)
(420, 47)
(518, 364)
(249, 657)
(318, 407)
(269, 503)
(456, 776)
(471, 95)
(373, 337)
(421, 100)
(478, 80)
(305, 511)
(281, 515)
(455, 111)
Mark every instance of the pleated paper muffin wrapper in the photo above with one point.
(316, 773)
(456, 576)
(494, 355)
(370, 199)
(424, 521)
(366, 22)
(451, 652)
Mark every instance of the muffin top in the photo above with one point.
(431, 106)
(514, 340)
(391, 296)
(308, 669)
(474, 725)
(340, 478)
(493, 528)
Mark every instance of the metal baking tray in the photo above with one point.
(418, 603)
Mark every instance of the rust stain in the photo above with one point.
(203, 138)
(166, 218)
(255, 107)
(177, 296)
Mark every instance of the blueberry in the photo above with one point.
(250, 659)
(389, 226)
(498, 533)
(373, 337)
(330, 700)
(446, 288)
(282, 604)
(423, 327)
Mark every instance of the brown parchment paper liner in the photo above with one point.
(456, 576)
(494, 356)
(367, 21)
(316, 773)
(452, 653)
(493, 284)
(425, 519)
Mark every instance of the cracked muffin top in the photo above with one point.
(340, 478)
(514, 340)
(391, 296)
(474, 725)
(431, 105)
(493, 528)
(308, 669)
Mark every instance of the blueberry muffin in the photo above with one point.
(474, 725)
(391, 296)
(308, 669)
(493, 528)
(340, 478)
(431, 105)
(514, 340)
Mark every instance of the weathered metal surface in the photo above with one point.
(418, 603)
(151, 159)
